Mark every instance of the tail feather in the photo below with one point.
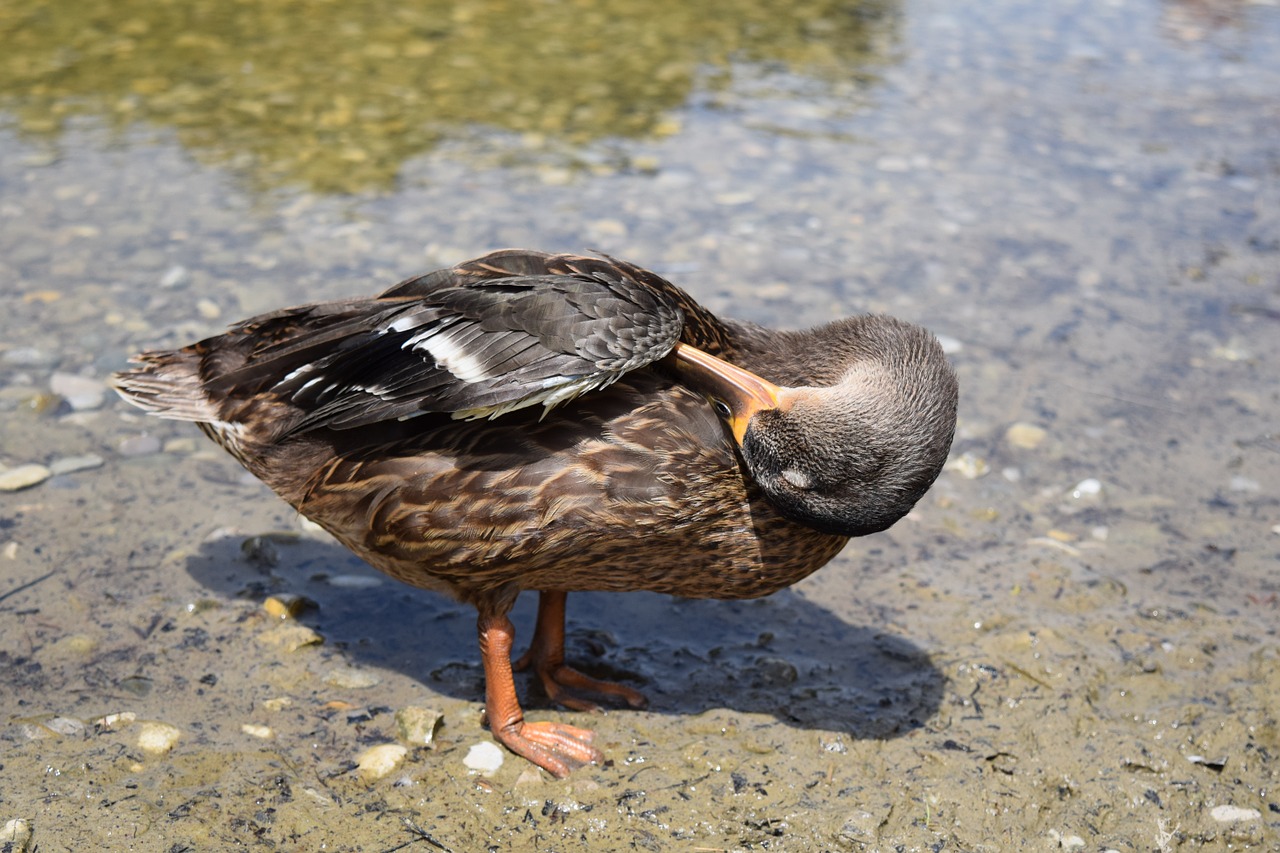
(167, 384)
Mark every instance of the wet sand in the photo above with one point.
(1070, 644)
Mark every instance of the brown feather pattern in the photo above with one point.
(635, 485)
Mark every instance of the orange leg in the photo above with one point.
(554, 747)
(546, 656)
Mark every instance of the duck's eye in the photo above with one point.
(722, 408)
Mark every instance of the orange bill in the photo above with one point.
(742, 392)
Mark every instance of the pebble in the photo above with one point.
(117, 720)
(82, 393)
(1228, 813)
(28, 357)
(378, 761)
(66, 726)
(71, 464)
(417, 726)
(208, 309)
(23, 476)
(1088, 488)
(139, 445)
(290, 637)
(258, 731)
(287, 605)
(969, 466)
(174, 276)
(484, 758)
(76, 644)
(1025, 436)
(15, 835)
(158, 738)
(350, 678)
(1244, 484)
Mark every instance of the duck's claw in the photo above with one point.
(555, 747)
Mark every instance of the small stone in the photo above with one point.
(774, 671)
(378, 761)
(76, 644)
(208, 309)
(139, 445)
(71, 464)
(350, 678)
(158, 738)
(82, 393)
(23, 477)
(67, 726)
(1227, 814)
(118, 720)
(258, 731)
(529, 776)
(484, 758)
(417, 726)
(290, 637)
(287, 605)
(180, 445)
(15, 835)
(969, 466)
(174, 276)
(1089, 488)
(28, 357)
(279, 703)
(1244, 484)
(1025, 436)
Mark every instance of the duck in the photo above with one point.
(555, 423)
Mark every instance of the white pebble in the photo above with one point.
(1013, 475)
(15, 835)
(117, 720)
(484, 758)
(258, 731)
(1244, 484)
(174, 276)
(378, 761)
(1087, 489)
(969, 466)
(1226, 814)
(158, 738)
(71, 464)
(22, 477)
(80, 392)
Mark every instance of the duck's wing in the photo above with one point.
(470, 345)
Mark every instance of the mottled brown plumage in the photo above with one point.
(657, 469)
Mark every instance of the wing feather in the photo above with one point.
(480, 340)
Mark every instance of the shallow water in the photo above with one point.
(1071, 643)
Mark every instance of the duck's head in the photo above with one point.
(847, 458)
